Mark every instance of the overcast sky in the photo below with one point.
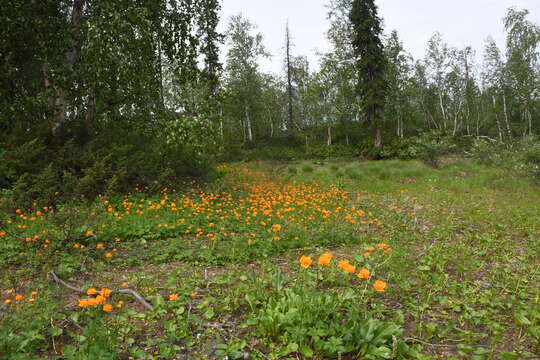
(462, 23)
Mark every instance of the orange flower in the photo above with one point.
(305, 261)
(100, 299)
(124, 284)
(107, 307)
(371, 248)
(389, 250)
(92, 302)
(108, 255)
(383, 246)
(7, 301)
(342, 264)
(100, 246)
(10, 291)
(89, 233)
(379, 285)
(173, 297)
(31, 300)
(2, 234)
(366, 254)
(120, 304)
(105, 292)
(325, 259)
(193, 294)
(19, 297)
(34, 293)
(91, 291)
(83, 303)
(364, 274)
(350, 269)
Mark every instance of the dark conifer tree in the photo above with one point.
(370, 62)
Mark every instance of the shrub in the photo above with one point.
(21, 159)
(327, 325)
(323, 151)
(532, 160)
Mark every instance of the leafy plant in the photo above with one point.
(327, 324)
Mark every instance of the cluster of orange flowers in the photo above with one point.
(268, 208)
(346, 266)
(264, 205)
(99, 299)
(18, 297)
(174, 297)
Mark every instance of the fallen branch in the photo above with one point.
(410, 339)
(131, 292)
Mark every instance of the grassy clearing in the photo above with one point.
(458, 249)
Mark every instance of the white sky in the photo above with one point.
(462, 23)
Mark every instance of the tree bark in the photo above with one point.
(443, 111)
(499, 128)
(508, 130)
(71, 56)
(90, 114)
(378, 136)
(248, 124)
(289, 80)
(329, 139)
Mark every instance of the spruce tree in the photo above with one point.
(370, 62)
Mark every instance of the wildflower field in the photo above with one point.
(338, 260)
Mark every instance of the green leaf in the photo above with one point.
(209, 313)
(522, 318)
(306, 351)
(56, 331)
(508, 356)
(292, 347)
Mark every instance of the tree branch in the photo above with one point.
(131, 292)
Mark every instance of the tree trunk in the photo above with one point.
(289, 80)
(221, 122)
(162, 97)
(456, 117)
(499, 128)
(508, 130)
(243, 129)
(90, 115)
(529, 117)
(329, 139)
(378, 137)
(248, 124)
(71, 56)
(443, 112)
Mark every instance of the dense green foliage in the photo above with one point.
(95, 91)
